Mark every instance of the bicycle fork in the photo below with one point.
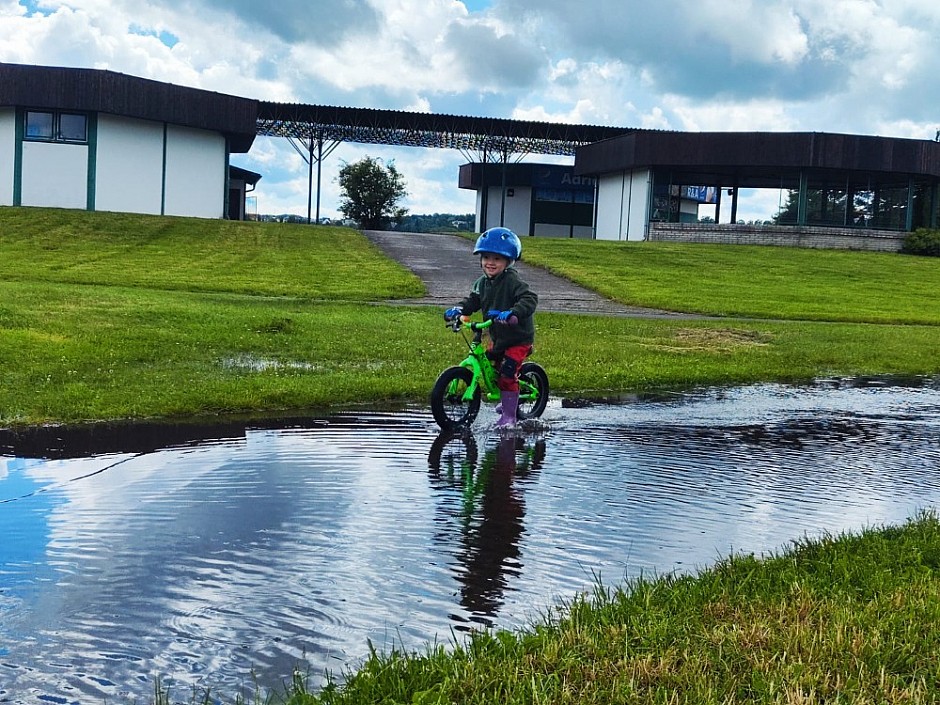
(483, 380)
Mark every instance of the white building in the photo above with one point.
(105, 141)
(99, 140)
(538, 200)
(650, 180)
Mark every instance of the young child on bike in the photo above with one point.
(506, 299)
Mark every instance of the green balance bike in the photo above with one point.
(458, 392)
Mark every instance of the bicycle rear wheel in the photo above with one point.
(533, 391)
(449, 404)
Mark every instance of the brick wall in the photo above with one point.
(780, 235)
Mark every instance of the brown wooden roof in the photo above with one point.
(102, 91)
(721, 157)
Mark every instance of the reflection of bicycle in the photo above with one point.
(453, 450)
(483, 511)
(456, 396)
(452, 463)
(453, 456)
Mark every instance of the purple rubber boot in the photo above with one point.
(508, 402)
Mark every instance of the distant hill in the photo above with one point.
(436, 223)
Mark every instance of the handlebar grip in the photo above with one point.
(511, 321)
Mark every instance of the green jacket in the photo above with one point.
(505, 292)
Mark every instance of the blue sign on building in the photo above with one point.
(700, 194)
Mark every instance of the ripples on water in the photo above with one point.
(209, 556)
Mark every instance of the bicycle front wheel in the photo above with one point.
(449, 403)
(533, 391)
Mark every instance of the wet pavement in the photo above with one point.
(447, 267)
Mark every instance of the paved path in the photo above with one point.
(447, 267)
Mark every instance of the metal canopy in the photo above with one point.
(406, 129)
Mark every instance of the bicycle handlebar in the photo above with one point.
(459, 321)
(456, 323)
(482, 325)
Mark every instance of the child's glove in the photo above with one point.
(506, 318)
(452, 313)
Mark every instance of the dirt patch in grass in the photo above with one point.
(715, 339)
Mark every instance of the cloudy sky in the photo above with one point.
(857, 66)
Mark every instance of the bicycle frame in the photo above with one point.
(460, 389)
(484, 374)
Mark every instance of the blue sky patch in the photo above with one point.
(33, 8)
(167, 38)
(477, 5)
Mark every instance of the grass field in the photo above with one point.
(54, 246)
(107, 316)
(113, 316)
(752, 281)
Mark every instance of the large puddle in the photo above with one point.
(220, 556)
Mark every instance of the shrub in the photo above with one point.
(922, 242)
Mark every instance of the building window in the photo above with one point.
(73, 127)
(47, 126)
(39, 125)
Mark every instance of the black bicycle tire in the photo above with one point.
(439, 407)
(535, 374)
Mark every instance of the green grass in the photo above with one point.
(114, 316)
(197, 255)
(84, 353)
(853, 618)
(73, 353)
(751, 280)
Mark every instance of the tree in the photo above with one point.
(370, 193)
(436, 223)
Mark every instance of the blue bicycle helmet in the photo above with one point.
(501, 241)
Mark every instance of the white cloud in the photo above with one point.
(752, 31)
(862, 66)
(720, 116)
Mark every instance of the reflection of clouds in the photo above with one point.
(215, 560)
(688, 481)
(278, 534)
(77, 481)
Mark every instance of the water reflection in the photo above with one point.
(210, 554)
(483, 503)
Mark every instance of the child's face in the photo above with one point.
(493, 264)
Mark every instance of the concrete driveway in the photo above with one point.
(447, 267)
